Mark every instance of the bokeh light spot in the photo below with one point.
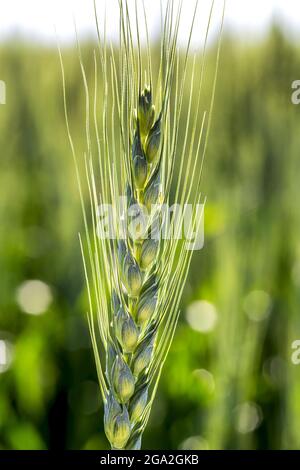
(34, 297)
(6, 354)
(202, 316)
(206, 379)
(248, 417)
(274, 370)
(257, 305)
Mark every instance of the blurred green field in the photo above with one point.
(229, 382)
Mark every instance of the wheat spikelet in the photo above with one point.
(135, 281)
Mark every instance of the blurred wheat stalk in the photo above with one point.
(135, 285)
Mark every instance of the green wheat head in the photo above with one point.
(135, 283)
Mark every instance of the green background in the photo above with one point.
(232, 387)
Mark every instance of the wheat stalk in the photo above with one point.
(135, 283)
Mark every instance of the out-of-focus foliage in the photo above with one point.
(229, 381)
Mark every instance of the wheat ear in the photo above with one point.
(134, 324)
(135, 283)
